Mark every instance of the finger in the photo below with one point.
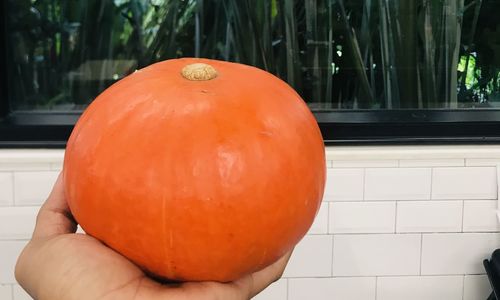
(54, 217)
(268, 275)
(244, 288)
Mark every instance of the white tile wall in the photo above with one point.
(398, 184)
(20, 293)
(5, 291)
(476, 287)
(481, 162)
(362, 217)
(332, 288)
(464, 183)
(24, 166)
(32, 188)
(374, 163)
(376, 254)
(344, 185)
(312, 257)
(444, 162)
(276, 291)
(429, 216)
(480, 216)
(6, 188)
(351, 251)
(56, 166)
(9, 251)
(420, 288)
(17, 222)
(320, 224)
(457, 253)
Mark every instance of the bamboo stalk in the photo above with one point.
(384, 46)
(357, 60)
(406, 54)
(456, 21)
(428, 67)
(329, 75)
(291, 43)
(469, 42)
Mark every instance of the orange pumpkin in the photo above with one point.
(196, 169)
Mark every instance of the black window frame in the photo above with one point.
(358, 127)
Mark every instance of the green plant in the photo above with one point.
(338, 54)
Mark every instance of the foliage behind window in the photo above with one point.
(338, 54)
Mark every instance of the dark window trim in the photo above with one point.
(51, 130)
(410, 126)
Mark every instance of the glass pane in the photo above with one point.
(338, 54)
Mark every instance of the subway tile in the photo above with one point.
(20, 293)
(9, 251)
(476, 287)
(464, 183)
(429, 216)
(320, 224)
(276, 291)
(332, 288)
(398, 184)
(312, 257)
(443, 162)
(362, 217)
(376, 254)
(457, 253)
(33, 188)
(56, 166)
(482, 162)
(6, 188)
(481, 216)
(420, 288)
(24, 166)
(5, 291)
(17, 222)
(28, 156)
(344, 185)
(382, 163)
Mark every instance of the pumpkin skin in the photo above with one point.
(196, 180)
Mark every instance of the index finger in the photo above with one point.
(54, 217)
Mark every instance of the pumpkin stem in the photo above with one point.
(199, 72)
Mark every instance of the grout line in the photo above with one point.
(463, 287)
(385, 276)
(420, 200)
(396, 217)
(432, 177)
(421, 253)
(328, 218)
(333, 255)
(463, 214)
(364, 184)
(389, 233)
(287, 282)
(13, 189)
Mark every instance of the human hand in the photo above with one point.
(60, 264)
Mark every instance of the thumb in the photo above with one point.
(54, 217)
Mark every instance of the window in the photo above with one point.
(371, 70)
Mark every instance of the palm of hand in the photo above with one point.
(60, 264)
